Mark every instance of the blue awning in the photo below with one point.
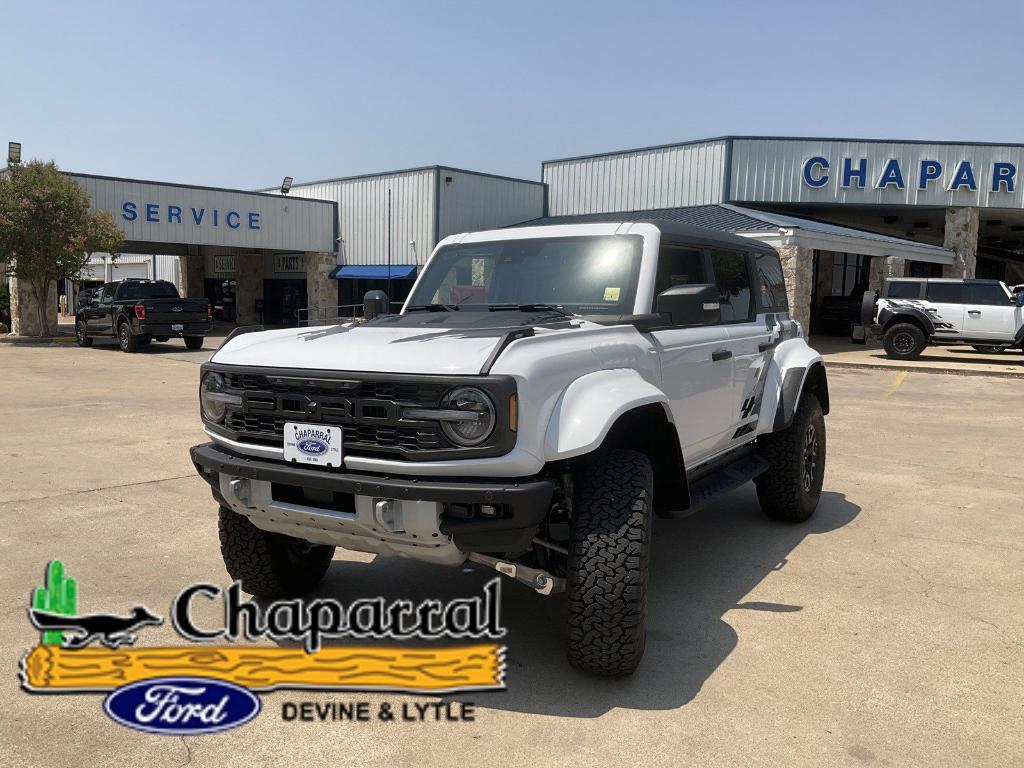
(374, 272)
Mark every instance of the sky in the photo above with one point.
(242, 94)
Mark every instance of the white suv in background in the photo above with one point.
(908, 314)
(544, 391)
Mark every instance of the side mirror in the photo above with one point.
(375, 303)
(698, 304)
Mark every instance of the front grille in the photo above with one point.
(368, 412)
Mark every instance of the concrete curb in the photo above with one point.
(929, 369)
(36, 341)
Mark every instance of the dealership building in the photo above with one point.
(843, 214)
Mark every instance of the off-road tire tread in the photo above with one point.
(892, 330)
(256, 558)
(780, 487)
(609, 560)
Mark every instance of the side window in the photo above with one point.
(987, 293)
(733, 281)
(678, 266)
(947, 293)
(770, 283)
(903, 290)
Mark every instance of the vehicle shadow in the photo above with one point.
(702, 567)
(154, 348)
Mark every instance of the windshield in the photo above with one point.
(584, 275)
(133, 290)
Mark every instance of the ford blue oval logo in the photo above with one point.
(312, 447)
(182, 706)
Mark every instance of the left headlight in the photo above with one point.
(471, 416)
(213, 400)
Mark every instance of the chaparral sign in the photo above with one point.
(849, 172)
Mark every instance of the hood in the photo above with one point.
(432, 343)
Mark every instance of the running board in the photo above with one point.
(721, 481)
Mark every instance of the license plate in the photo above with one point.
(312, 444)
(177, 327)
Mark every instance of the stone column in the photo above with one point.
(249, 273)
(884, 267)
(321, 290)
(961, 237)
(25, 310)
(192, 274)
(798, 269)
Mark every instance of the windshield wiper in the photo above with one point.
(530, 308)
(432, 308)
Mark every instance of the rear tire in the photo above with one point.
(609, 561)
(790, 488)
(270, 564)
(161, 338)
(127, 340)
(81, 335)
(193, 342)
(904, 341)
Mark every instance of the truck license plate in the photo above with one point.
(312, 444)
(177, 327)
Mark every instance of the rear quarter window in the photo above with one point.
(903, 290)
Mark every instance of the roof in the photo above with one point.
(773, 228)
(730, 138)
(400, 171)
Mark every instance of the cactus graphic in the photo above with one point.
(60, 595)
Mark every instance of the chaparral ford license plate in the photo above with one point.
(312, 444)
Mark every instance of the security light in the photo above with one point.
(286, 185)
(13, 152)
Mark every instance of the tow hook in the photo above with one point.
(542, 581)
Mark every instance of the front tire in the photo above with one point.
(609, 561)
(790, 488)
(82, 335)
(269, 564)
(127, 340)
(904, 341)
(193, 342)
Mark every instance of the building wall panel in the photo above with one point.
(659, 177)
(472, 201)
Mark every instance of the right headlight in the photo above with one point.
(477, 423)
(213, 400)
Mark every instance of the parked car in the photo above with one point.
(908, 314)
(599, 374)
(136, 312)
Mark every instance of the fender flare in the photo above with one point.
(886, 315)
(794, 367)
(590, 406)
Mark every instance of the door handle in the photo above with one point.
(721, 354)
(764, 346)
(973, 311)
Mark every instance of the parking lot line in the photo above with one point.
(897, 380)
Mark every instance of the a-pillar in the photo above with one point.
(25, 320)
(798, 269)
(249, 288)
(321, 290)
(192, 274)
(961, 237)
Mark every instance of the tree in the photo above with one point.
(47, 229)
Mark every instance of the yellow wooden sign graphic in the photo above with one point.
(468, 667)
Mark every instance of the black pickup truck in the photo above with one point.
(136, 312)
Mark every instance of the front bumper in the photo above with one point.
(524, 502)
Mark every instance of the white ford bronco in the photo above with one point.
(908, 314)
(544, 391)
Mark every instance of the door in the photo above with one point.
(945, 306)
(696, 367)
(281, 301)
(753, 340)
(100, 321)
(990, 313)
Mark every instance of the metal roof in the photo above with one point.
(770, 227)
